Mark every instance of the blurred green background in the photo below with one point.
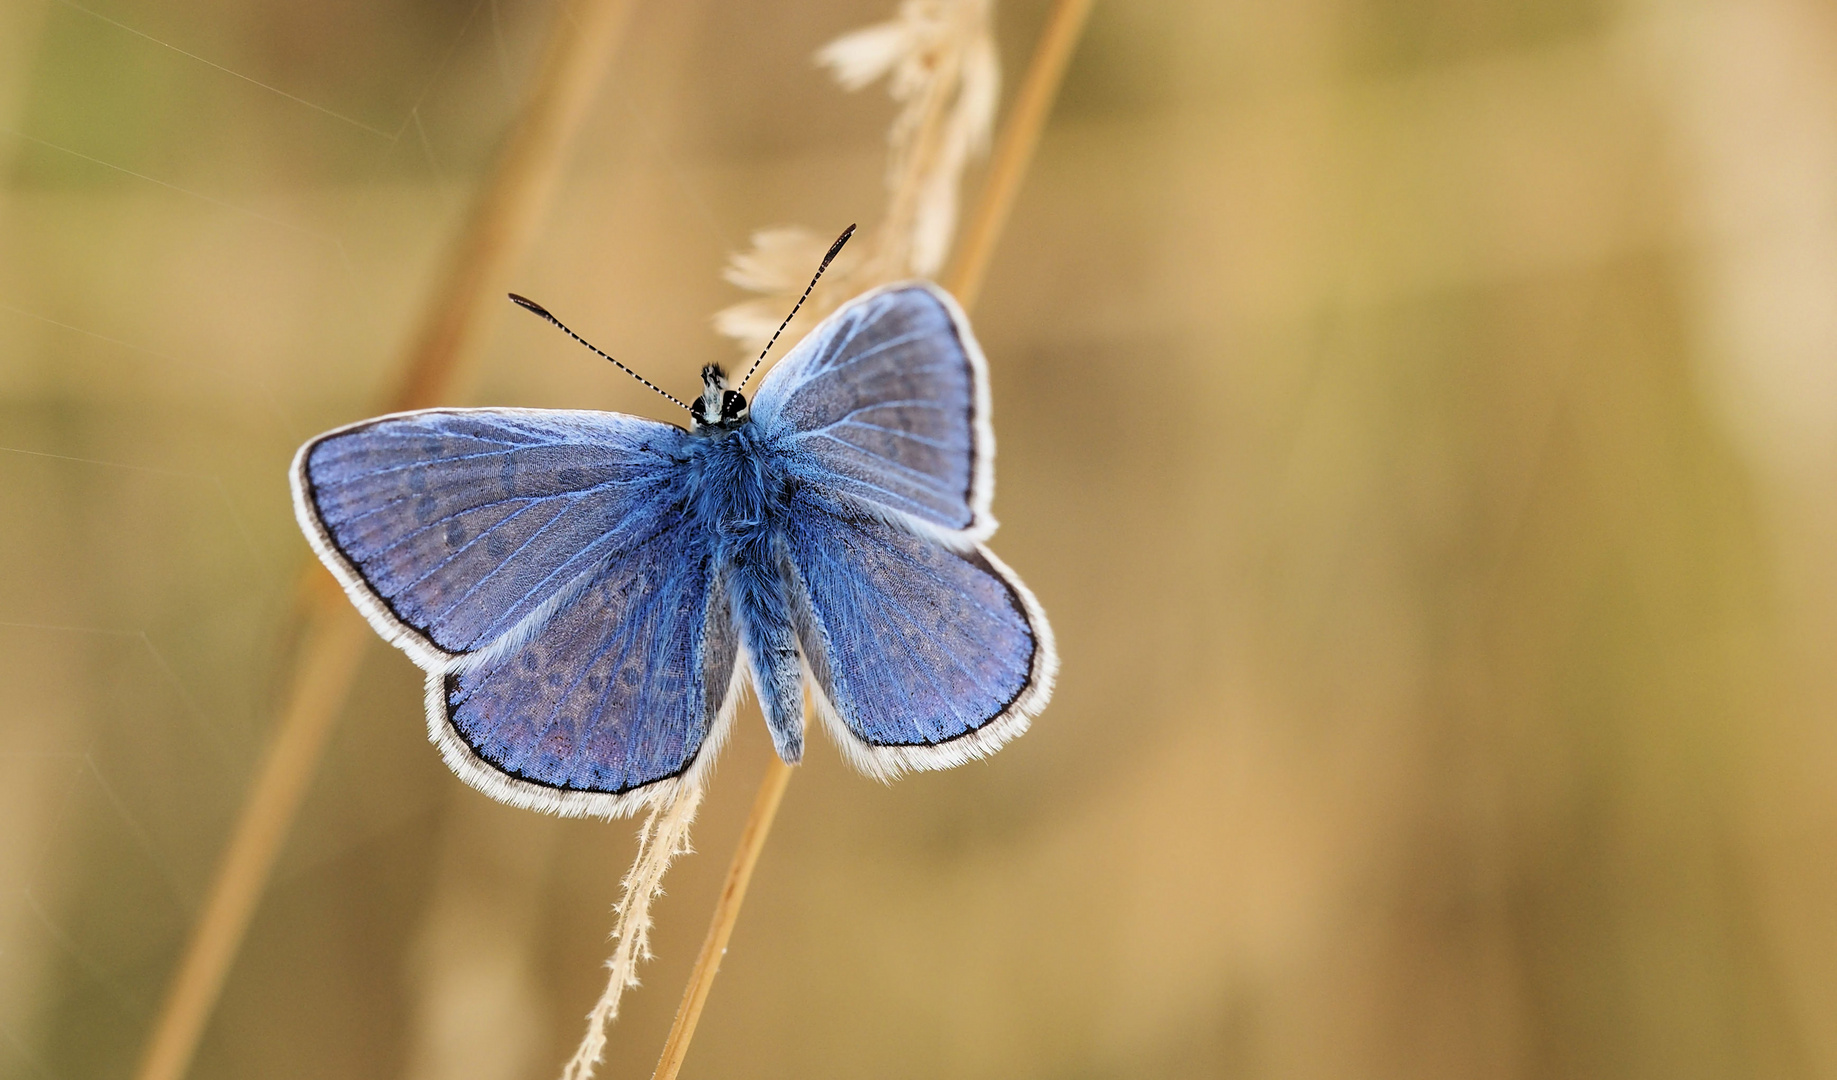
(1418, 416)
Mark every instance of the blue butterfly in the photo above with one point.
(589, 592)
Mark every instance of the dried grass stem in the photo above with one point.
(1014, 148)
(726, 913)
(326, 664)
(502, 225)
(663, 836)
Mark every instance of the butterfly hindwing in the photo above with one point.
(619, 690)
(886, 404)
(923, 655)
(450, 527)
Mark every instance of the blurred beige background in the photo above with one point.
(1418, 416)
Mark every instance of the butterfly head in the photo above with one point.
(718, 407)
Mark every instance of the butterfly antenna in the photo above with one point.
(834, 250)
(530, 305)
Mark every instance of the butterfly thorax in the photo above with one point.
(737, 486)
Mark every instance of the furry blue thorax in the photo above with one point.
(733, 483)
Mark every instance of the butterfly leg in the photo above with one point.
(762, 613)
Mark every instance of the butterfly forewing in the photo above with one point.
(452, 526)
(886, 405)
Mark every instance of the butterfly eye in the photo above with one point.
(733, 405)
